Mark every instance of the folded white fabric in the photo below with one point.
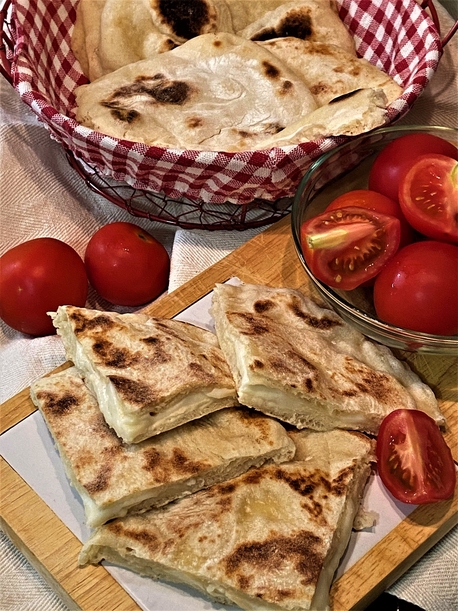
(194, 251)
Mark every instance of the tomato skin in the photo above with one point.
(37, 277)
(428, 196)
(417, 289)
(414, 462)
(345, 248)
(392, 162)
(371, 200)
(126, 265)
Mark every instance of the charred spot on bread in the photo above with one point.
(296, 23)
(158, 88)
(185, 23)
(270, 70)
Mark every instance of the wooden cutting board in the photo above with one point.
(269, 258)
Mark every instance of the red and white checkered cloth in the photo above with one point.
(396, 35)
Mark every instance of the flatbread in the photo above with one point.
(214, 92)
(149, 375)
(311, 20)
(352, 114)
(86, 36)
(301, 363)
(329, 71)
(109, 34)
(114, 478)
(129, 35)
(270, 539)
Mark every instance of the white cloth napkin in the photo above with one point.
(42, 196)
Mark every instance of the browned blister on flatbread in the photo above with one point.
(149, 375)
(301, 363)
(115, 478)
(268, 539)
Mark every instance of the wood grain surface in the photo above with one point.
(269, 258)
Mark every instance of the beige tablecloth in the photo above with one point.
(42, 196)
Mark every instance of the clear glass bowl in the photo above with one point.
(343, 169)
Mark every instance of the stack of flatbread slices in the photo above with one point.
(235, 461)
(227, 75)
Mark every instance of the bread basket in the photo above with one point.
(199, 189)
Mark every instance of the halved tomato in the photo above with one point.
(413, 460)
(428, 195)
(348, 246)
(366, 198)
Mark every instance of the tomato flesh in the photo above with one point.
(417, 289)
(371, 200)
(126, 265)
(346, 247)
(414, 462)
(428, 195)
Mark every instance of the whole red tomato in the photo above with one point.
(391, 163)
(428, 195)
(35, 278)
(417, 288)
(126, 265)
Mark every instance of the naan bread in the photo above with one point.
(109, 34)
(128, 34)
(312, 20)
(114, 478)
(270, 539)
(329, 71)
(349, 115)
(214, 92)
(86, 35)
(149, 375)
(301, 363)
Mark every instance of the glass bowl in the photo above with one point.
(343, 169)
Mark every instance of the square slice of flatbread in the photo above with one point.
(301, 363)
(149, 375)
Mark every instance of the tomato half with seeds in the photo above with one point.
(414, 462)
(428, 195)
(345, 248)
(371, 200)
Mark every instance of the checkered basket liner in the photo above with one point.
(396, 35)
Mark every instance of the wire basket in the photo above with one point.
(174, 202)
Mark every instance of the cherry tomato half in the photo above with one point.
(37, 277)
(126, 265)
(428, 195)
(413, 460)
(371, 200)
(347, 247)
(417, 289)
(391, 163)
